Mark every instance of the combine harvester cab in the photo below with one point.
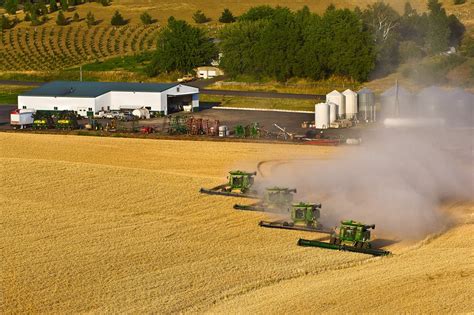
(304, 217)
(353, 236)
(239, 185)
(274, 198)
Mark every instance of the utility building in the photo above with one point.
(87, 98)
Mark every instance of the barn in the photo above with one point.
(87, 98)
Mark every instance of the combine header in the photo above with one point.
(274, 198)
(239, 185)
(304, 217)
(353, 236)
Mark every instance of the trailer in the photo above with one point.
(22, 118)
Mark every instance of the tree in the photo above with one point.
(5, 23)
(105, 3)
(181, 47)
(64, 5)
(227, 17)
(457, 30)
(199, 17)
(118, 19)
(146, 18)
(53, 6)
(11, 6)
(257, 13)
(90, 19)
(437, 37)
(61, 19)
(76, 17)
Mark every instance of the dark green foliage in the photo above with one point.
(61, 19)
(437, 37)
(64, 5)
(118, 19)
(11, 6)
(27, 17)
(199, 17)
(459, 2)
(181, 47)
(257, 13)
(146, 18)
(281, 44)
(5, 23)
(467, 47)
(413, 26)
(105, 3)
(227, 17)
(76, 17)
(457, 30)
(410, 51)
(35, 21)
(90, 19)
(53, 6)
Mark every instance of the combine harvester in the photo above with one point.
(274, 198)
(353, 236)
(304, 217)
(239, 185)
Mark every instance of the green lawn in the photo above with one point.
(9, 93)
(261, 103)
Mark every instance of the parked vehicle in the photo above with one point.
(22, 118)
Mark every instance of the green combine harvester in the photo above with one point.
(274, 198)
(67, 120)
(353, 236)
(239, 185)
(42, 120)
(304, 217)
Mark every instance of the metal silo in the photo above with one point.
(430, 101)
(332, 112)
(351, 103)
(397, 102)
(338, 99)
(321, 118)
(366, 103)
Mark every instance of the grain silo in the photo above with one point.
(397, 102)
(366, 103)
(321, 118)
(332, 112)
(338, 99)
(351, 103)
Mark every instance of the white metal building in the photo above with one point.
(87, 98)
(208, 72)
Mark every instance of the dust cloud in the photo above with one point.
(398, 178)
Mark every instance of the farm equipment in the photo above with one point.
(21, 118)
(304, 217)
(147, 130)
(285, 135)
(274, 198)
(248, 131)
(353, 236)
(67, 120)
(239, 185)
(42, 120)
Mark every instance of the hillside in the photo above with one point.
(104, 225)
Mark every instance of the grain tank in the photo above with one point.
(366, 103)
(337, 98)
(321, 115)
(332, 112)
(351, 103)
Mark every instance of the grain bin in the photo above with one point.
(366, 103)
(351, 103)
(338, 99)
(321, 118)
(397, 102)
(332, 112)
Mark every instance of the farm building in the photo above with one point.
(208, 72)
(87, 98)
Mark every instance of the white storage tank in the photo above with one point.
(141, 113)
(351, 103)
(332, 112)
(321, 118)
(338, 99)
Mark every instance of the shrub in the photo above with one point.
(456, 2)
(90, 19)
(118, 19)
(199, 17)
(76, 17)
(105, 3)
(53, 6)
(146, 18)
(227, 17)
(61, 19)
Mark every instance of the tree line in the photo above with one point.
(278, 43)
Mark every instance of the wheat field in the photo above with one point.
(110, 225)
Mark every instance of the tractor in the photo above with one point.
(304, 217)
(274, 198)
(353, 236)
(239, 185)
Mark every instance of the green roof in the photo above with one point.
(94, 89)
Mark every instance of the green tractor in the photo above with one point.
(239, 185)
(353, 236)
(42, 120)
(274, 198)
(304, 217)
(67, 120)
